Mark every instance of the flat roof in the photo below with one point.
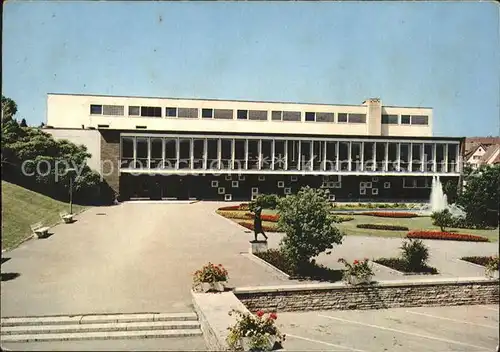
(229, 100)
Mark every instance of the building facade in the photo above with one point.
(161, 148)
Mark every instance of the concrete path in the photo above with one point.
(126, 259)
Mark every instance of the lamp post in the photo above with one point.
(70, 171)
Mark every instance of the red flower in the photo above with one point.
(260, 313)
(273, 316)
(356, 261)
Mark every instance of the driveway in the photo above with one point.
(127, 258)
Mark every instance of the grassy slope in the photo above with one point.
(22, 208)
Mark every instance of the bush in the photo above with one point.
(390, 214)
(276, 258)
(400, 265)
(382, 227)
(338, 219)
(308, 225)
(437, 235)
(443, 219)
(415, 254)
(265, 201)
(484, 261)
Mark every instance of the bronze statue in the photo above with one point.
(257, 223)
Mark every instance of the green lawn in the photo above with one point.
(22, 208)
(420, 223)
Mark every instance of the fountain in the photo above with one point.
(439, 202)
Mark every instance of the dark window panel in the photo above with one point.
(405, 119)
(242, 114)
(207, 113)
(276, 115)
(171, 112)
(96, 109)
(342, 117)
(390, 119)
(133, 110)
(291, 116)
(310, 116)
(150, 111)
(357, 118)
(225, 114)
(419, 120)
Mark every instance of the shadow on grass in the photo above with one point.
(9, 276)
(400, 265)
(311, 271)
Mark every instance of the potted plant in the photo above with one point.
(359, 272)
(491, 267)
(210, 277)
(254, 332)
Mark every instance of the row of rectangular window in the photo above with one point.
(405, 120)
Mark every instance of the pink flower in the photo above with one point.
(356, 262)
(260, 313)
(273, 316)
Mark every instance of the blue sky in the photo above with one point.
(440, 54)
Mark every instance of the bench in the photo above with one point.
(68, 218)
(39, 230)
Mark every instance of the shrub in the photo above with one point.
(359, 269)
(480, 260)
(266, 228)
(338, 219)
(415, 254)
(390, 214)
(276, 258)
(265, 201)
(443, 219)
(382, 227)
(308, 225)
(492, 265)
(437, 235)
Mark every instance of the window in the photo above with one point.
(113, 110)
(207, 113)
(150, 111)
(310, 116)
(357, 118)
(257, 115)
(419, 120)
(242, 115)
(342, 117)
(405, 119)
(291, 116)
(390, 119)
(133, 110)
(96, 109)
(225, 114)
(324, 117)
(127, 156)
(285, 116)
(171, 112)
(187, 113)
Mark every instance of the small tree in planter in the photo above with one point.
(359, 272)
(308, 225)
(443, 219)
(254, 332)
(415, 254)
(210, 277)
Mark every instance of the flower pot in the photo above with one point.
(354, 280)
(246, 344)
(217, 286)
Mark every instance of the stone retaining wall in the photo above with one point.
(389, 294)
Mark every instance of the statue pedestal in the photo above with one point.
(257, 246)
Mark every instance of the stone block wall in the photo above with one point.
(378, 296)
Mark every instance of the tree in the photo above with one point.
(443, 219)
(480, 196)
(23, 123)
(450, 188)
(9, 109)
(308, 225)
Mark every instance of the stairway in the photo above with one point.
(99, 327)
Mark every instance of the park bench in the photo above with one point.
(66, 217)
(39, 230)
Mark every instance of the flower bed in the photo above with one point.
(234, 214)
(382, 227)
(484, 261)
(266, 228)
(390, 214)
(438, 235)
(230, 207)
(400, 265)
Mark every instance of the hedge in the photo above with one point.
(382, 227)
(438, 235)
(479, 260)
(390, 214)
